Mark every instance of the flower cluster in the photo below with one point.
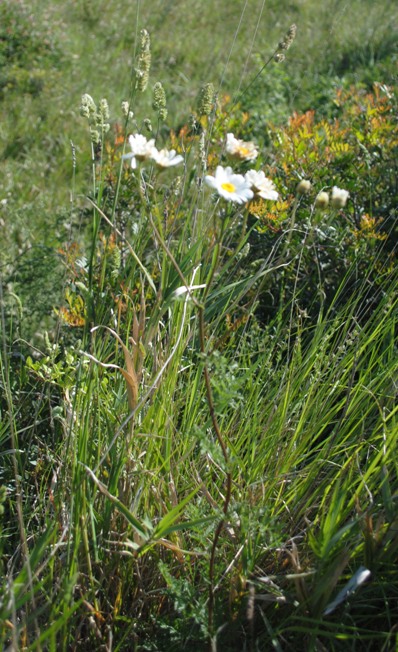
(240, 189)
(144, 150)
(338, 198)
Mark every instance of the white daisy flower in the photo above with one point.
(241, 150)
(339, 197)
(230, 186)
(141, 149)
(165, 158)
(261, 185)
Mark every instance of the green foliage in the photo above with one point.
(26, 46)
(356, 150)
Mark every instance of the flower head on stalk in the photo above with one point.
(165, 158)
(239, 149)
(339, 197)
(141, 149)
(261, 185)
(230, 186)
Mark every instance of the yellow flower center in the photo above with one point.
(229, 187)
(244, 151)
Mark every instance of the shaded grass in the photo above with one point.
(308, 413)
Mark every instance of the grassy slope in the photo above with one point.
(62, 50)
(193, 42)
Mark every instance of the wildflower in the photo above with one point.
(322, 200)
(230, 186)
(241, 150)
(144, 62)
(261, 185)
(206, 99)
(279, 57)
(339, 197)
(165, 158)
(141, 149)
(303, 187)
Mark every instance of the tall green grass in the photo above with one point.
(313, 466)
(117, 519)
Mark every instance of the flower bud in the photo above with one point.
(339, 197)
(303, 187)
(322, 200)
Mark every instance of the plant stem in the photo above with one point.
(227, 498)
(217, 430)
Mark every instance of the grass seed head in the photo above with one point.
(103, 115)
(206, 99)
(104, 110)
(159, 101)
(289, 38)
(144, 62)
(202, 151)
(88, 107)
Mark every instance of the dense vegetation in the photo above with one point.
(198, 353)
